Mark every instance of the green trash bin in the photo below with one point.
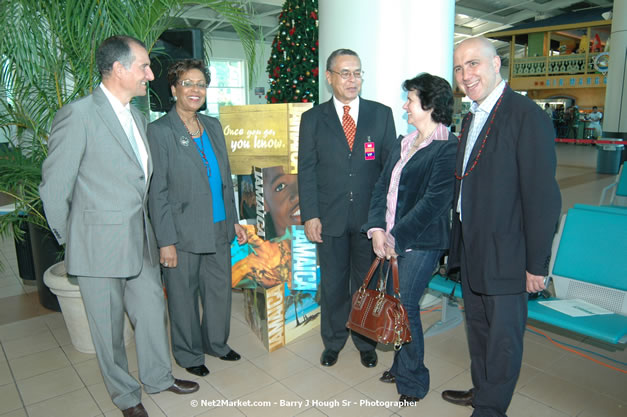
(609, 157)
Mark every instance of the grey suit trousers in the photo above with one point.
(142, 297)
(208, 277)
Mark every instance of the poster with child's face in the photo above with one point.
(280, 195)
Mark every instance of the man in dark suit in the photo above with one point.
(507, 204)
(343, 146)
(94, 191)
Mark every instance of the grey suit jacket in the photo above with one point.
(94, 190)
(180, 200)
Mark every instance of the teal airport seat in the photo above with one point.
(617, 190)
(588, 263)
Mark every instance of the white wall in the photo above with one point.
(232, 49)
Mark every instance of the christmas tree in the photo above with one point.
(293, 63)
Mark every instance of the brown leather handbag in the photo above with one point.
(377, 315)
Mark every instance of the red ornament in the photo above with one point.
(313, 15)
(313, 48)
(315, 72)
(305, 100)
(289, 70)
(292, 30)
(276, 72)
(273, 99)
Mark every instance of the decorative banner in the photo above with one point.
(276, 201)
(262, 134)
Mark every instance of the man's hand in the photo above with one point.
(167, 256)
(390, 252)
(240, 232)
(535, 283)
(313, 230)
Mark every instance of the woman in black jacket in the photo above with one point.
(409, 215)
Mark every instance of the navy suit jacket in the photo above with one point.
(331, 178)
(510, 201)
(425, 192)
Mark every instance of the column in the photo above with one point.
(615, 111)
(395, 40)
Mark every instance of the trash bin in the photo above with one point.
(609, 157)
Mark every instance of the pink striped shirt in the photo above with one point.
(407, 151)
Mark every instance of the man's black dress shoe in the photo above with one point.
(329, 357)
(137, 411)
(182, 386)
(200, 370)
(408, 400)
(369, 358)
(459, 397)
(231, 356)
(387, 377)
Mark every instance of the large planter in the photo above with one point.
(46, 252)
(67, 291)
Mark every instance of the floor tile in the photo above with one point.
(38, 363)
(375, 389)
(75, 356)
(17, 413)
(274, 400)
(239, 380)
(314, 384)
(74, 404)
(349, 369)
(9, 398)
(49, 385)
(523, 406)
(61, 335)
(281, 363)
(89, 372)
(312, 412)
(101, 396)
(559, 393)
(30, 344)
(6, 376)
(22, 328)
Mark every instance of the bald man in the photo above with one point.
(507, 203)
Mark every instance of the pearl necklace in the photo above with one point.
(197, 132)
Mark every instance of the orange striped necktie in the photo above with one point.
(349, 127)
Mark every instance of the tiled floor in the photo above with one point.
(42, 375)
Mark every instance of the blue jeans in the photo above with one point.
(415, 269)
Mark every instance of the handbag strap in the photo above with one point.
(394, 265)
(371, 271)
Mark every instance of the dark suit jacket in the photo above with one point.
(180, 198)
(330, 176)
(425, 192)
(510, 202)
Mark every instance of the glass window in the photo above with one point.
(228, 85)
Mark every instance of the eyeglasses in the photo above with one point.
(189, 84)
(345, 74)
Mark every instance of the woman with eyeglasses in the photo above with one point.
(192, 209)
(409, 215)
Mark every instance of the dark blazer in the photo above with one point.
(330, 176)
(180, 200)
(510, 202)
(425, 192)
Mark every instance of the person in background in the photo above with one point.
(594, 121)
(192, 206)
(507, 204)
(342, 148)
(409, 215)
(94, 191)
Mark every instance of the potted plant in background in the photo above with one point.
(47, 49)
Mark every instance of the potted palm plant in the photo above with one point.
(47, 50)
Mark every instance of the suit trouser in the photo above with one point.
(344, 263)
(142, 296)
(495, 325)
(207, 276)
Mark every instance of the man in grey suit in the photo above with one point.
(94, 191)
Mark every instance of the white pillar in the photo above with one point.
(395, 39)
(615, 110)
